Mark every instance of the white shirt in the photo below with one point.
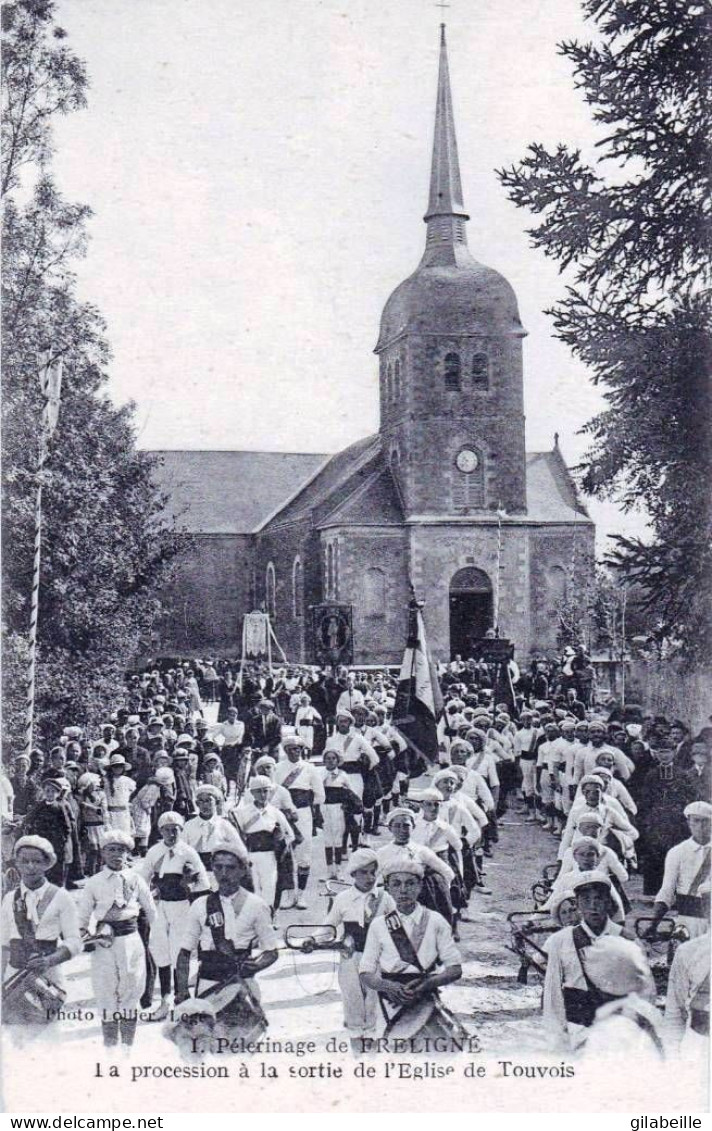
(306, 777)
(253, 820)
(436, 835)
(682, 864)
(354, 906)
(56, 920)
(160, 860)
(122, 892)
(689, 979)
(252, 923)
(203, 835)
(380, 953)
(563, 968)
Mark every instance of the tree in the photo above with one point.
(633, 229)
(106, 550)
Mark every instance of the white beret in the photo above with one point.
(87, 780)
(40, 844)
(400, 813)
(698, 809)
(361, 858)
(585, 842)
(170, 818)
(233, 848)
(403, 864)
(260, 781)
(590, 779)
(586, 879)
(556, 901)
(344, 714)
(116, 836)
(618, 964)
(208, 791)
(293, 740)
(265, 760)
(430, 795)
(592, 817)
(164, 775)
(603, 772)
(442, 775)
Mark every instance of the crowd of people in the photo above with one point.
(179, 842)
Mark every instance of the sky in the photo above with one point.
(258, 174)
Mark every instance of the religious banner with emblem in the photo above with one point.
(333, 634)
(255, 628)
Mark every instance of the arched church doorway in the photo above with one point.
(470, 609)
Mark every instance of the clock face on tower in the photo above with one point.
(466, 460)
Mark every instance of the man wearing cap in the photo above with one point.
(305, 787)
(223, 928)
(40, 929)
(265, 728)
(51, 819)
(352, 913)
(232, 730)
(686, 879)
(618, 832)
(183, 802)
(267, 834)
(172, 869)
(208, 828)
(598, 741)
(357, 758)
(571, 997)
(115, 896)
(409, 952)
(629, 1025)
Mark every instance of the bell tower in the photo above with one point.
(450, 360)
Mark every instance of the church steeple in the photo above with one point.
(446, 213)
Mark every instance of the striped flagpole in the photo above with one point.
(34, 607)
(51, 383)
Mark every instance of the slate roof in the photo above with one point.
(551, 494)
(226, 492)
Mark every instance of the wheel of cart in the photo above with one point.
(660, 946)
(543, 888)
(529, 931)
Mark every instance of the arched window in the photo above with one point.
(374, 593)
(480, 371)
(397, 380)
(452, 371)
(395, 460)
(271, 592)
(336, 571)
(389, 382)
(297, 589)
(556, 585)
(330, 570)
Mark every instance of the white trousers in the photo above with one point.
(334, 825)
(118, 973)
(528, 777)
(264, 875)
(303, 851)
(166, 929)
(360, 1004)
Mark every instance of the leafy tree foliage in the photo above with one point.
(632, 229)
(105, 549)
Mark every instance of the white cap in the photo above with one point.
(617, 964)
(40, 844)
(170, 818)
(115, 836)
(586, 879)
(361, 858)
(698, 809)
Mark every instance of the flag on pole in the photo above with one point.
(419, 701)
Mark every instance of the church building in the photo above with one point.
(444, 498)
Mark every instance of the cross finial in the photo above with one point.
(442, 6)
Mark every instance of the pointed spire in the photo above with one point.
(446, 213)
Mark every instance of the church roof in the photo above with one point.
(375, 502)
(551, 493)
(343, 473)
(226, 492)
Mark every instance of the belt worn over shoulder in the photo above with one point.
(118, 808)
(352, 768)
(402, 979)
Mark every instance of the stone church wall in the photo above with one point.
(438, 552)
(554, 552)
(372, 576)
(207, 598)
